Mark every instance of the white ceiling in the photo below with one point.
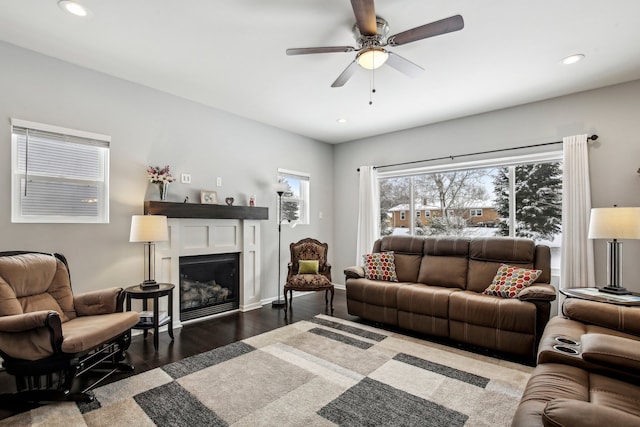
(231, 55)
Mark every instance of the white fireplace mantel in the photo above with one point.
(196, 236)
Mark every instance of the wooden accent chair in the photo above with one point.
(305, 276)
(49, 336)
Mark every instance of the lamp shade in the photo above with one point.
(281, 187)
(149, 228)
(614, 223)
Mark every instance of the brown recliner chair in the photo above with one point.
(48, 336)
(301, 279)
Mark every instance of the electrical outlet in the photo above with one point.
(219, 181)
(185, 178)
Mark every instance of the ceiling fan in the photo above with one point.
(370, 33)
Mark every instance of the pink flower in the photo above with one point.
(159, 175)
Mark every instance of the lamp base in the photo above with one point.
(149, 284)
(616, 290)
(278, 303)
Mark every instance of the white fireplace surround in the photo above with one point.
(188, 237)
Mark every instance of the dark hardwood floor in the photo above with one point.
(206, 335)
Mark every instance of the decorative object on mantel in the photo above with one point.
(161, 177)
(252, 200)
(149, 229)
(208, 197)
(229, 200)
(281, 187)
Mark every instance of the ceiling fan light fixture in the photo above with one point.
(73, 7)
(372, 58)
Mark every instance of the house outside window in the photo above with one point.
(58, 175)
(295, 201)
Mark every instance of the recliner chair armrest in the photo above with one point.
(538, 291)
(104, 301)
(31, 336)
(621, 318)
(570, 412)
(611, 351)
(24, 322)
(355, 272)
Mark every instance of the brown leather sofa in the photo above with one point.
(440, 287)
(588, 371)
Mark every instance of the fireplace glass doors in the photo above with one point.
(209, 284)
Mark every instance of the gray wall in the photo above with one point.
(149, 127)
(612, 113)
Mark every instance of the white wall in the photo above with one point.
(612, 113)
(149, 127)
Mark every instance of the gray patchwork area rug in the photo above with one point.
(323, 372)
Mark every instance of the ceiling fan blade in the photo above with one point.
(327, 49)
(365, 17)
(346, 74)
(404, 65)
(444, 26)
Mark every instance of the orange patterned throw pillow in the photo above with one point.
(380, 266)
(510, 280)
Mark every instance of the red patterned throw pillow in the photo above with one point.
(380, 266)
(510, 280)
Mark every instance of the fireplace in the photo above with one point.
(209, 284)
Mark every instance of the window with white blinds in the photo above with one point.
(59, 175)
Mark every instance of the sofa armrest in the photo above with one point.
(355, 272)
(104, 301)
(611, 351)
(621, 318)
(569, 412)
(539, 291)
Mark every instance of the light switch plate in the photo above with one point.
(185, 178)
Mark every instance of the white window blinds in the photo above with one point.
(59, 175)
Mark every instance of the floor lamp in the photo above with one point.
(280, 189)
(614, 223)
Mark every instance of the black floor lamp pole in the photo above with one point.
(279, 303)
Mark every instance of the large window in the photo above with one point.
(517, 196)
(295, 201)
(58, 175)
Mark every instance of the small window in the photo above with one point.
(476, 212)
(58, 175)
(427, 214)
(403, 215)
(418, 214)
(295, 201)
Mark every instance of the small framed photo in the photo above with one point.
(208, 197)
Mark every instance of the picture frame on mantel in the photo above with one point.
(208, 197)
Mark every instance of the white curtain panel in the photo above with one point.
(368, 212)
(576, 269)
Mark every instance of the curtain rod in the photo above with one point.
(590, 138)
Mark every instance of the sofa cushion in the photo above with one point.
(407, 267)
(408, 254)
(486, 254)
(85, 333)
(380, 266)
(625, 319)
(445, 262)
(510, 280)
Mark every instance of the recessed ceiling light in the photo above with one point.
(341, 121)
(573, 59)
(73, 7)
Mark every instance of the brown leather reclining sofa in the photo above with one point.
(440, 285)
(588, 371)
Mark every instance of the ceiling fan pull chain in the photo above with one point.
(372, 86)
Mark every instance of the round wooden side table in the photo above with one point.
(153, 293)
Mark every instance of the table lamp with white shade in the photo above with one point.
(149, 229)
(613, 224)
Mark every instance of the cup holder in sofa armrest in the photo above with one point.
(567, 350)
(565, 340)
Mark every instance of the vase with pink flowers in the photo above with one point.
(161, 177)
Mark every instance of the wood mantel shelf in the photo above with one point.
(203, 211)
